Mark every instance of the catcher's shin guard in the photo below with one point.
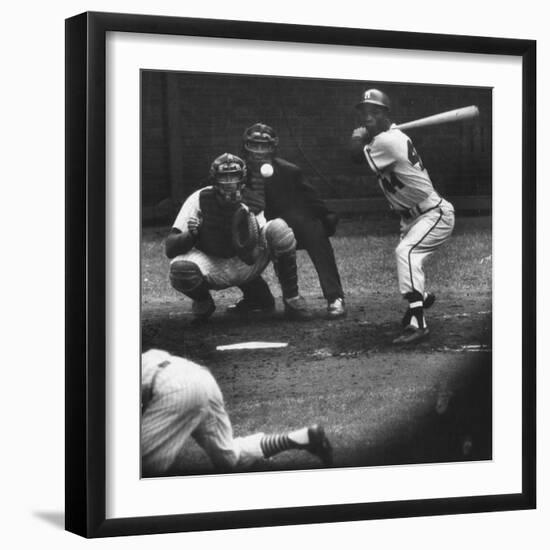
(186, 277)
(287, 273)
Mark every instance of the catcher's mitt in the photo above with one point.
(245, 234)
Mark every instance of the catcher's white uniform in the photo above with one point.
(179, 399)
(427, 220)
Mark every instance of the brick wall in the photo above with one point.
(190, 118)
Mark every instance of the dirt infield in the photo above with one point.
(380, 404)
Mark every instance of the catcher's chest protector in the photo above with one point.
(215, 233)
(254, 193)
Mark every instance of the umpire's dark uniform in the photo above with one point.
(288, 196)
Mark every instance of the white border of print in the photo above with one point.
(127, 495)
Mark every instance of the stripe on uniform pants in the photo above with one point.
(416, 244)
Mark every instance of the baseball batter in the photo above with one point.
(202, 245)
(427, 219)
(181, 399)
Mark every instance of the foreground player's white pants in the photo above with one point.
(419, 239)
(183, 399)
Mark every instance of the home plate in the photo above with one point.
(253, 345)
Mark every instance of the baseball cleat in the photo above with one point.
(319, 444)
(245, 307)
(296, 309)
(203, 309)
(336, 309)
(411, 335)
(429, 300)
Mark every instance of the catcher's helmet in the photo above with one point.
(374, 97)
(228, 175)
(260, 138)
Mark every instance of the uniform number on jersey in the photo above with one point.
(391, 183)
(414, 157)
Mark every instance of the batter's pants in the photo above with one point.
(419, 239)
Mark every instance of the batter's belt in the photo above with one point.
(426, 205)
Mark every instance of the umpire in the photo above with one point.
(279, 188)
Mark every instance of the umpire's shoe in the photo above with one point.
(336, 309)
(296, 309)
(319, 444)
(411, 335)
(203, 309)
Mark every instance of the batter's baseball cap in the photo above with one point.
(374, 97)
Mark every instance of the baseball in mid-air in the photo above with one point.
(266, 170)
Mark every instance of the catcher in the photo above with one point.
(216, 242)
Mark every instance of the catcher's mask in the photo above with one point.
(228, 176)
(260, 141)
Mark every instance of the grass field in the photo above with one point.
(364, 253)
(379, 404)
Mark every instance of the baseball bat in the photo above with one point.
(464, 113)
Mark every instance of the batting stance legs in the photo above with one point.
(195, 273)
(420, 238)
(181, 399)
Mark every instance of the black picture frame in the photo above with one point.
(86, 268)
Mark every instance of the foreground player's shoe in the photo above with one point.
(336, 309)
(203, 309)
(296, 309)
(411, 335)
(311, 439)
(319, 444)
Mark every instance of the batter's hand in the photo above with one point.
(193, 225)
(361, 133)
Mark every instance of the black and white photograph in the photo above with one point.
(296, 294)
(316, 273)
(274, 275)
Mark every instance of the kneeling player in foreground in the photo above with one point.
(180, 399)
(427, 219)
(208, 250)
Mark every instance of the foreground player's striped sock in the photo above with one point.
(277, 443)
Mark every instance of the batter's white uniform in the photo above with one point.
(221, 273)
(427, 220)
(179, 399)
